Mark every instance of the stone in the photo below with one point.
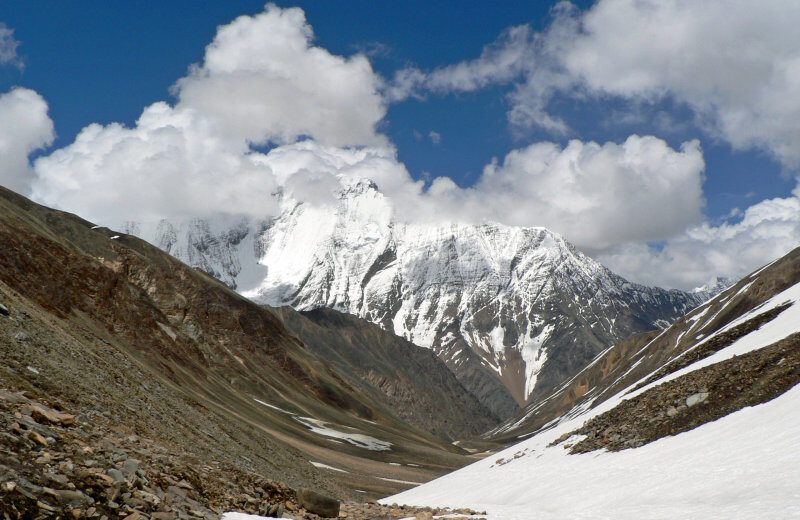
(116, 475)
(4, 310)
(37, 437)
(672, 411)
(697, 398)
(43, 415)
(130, 466)
(317, 503)
(162, 516)
(73, 498)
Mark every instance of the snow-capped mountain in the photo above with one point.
(512, 311)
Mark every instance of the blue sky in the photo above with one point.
(104, 63)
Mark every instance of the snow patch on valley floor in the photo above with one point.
(356, 439)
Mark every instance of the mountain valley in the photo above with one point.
(511, 311)
(133, 384)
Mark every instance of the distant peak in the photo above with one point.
(359, 187)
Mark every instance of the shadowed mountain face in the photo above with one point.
(418, 386)
(512, 311)
(120, 333)
(751, 308)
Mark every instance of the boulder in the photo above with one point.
(44, 415)
(317, 503)
(696, 398)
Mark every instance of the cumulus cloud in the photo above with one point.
(171, 164)
(735, 64)
(596, 195)
(262, 81)
(24, 128)
(766, 231)
(8, 47)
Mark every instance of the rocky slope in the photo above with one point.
(512, 311)
(418, 385)
(135, 343)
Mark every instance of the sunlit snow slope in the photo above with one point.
(512, 311)
(744, 464)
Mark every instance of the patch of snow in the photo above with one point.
(272, 406)
(32, 369)
(400, 482)
(325, 466)
(356, 439)
(243, 516)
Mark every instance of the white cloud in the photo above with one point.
(735, 63)
(435, 137)
(170, 164)
(262, 80)
(24, 128)
(8, 47)
(596, 195)
(767, 230)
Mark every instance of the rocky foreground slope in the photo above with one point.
(512, 311)
(165, 363)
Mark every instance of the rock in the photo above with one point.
(672, 411)
(162, 516)
(73, 498)
(317, 503)
(4, 310)
(696, 398)
(37, 437)
(130, 466)
(275, 511)
(43, 415)
(116, 475)
(425, 515)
